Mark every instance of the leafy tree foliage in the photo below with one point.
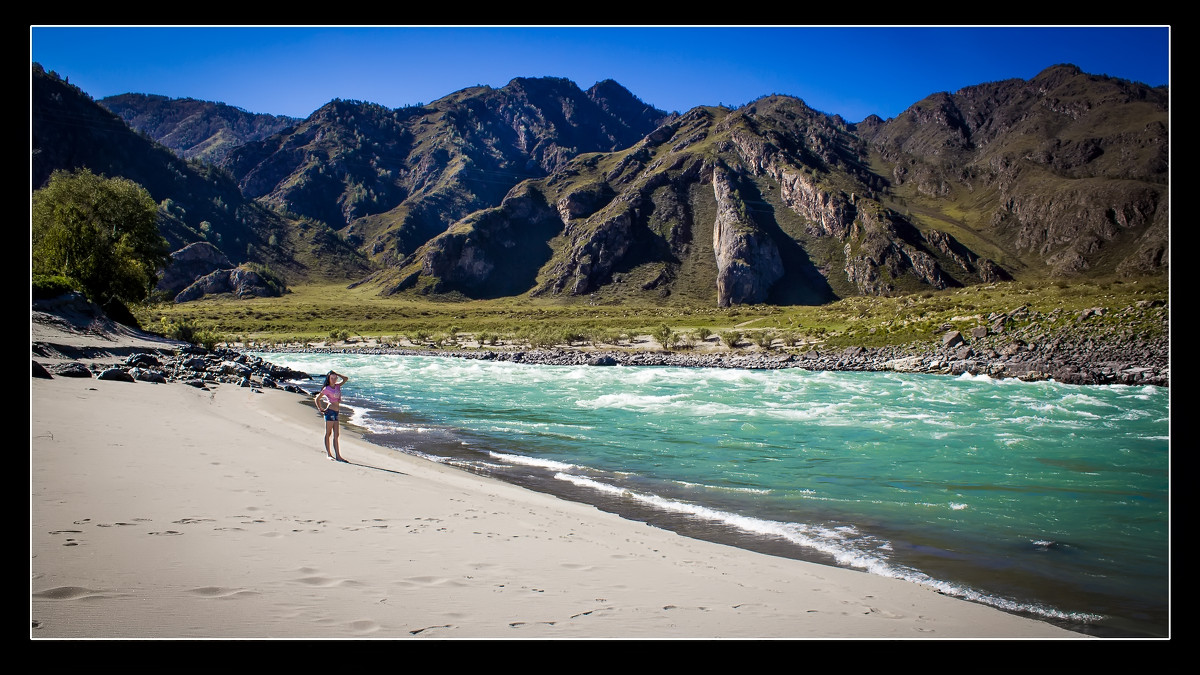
(99, 232)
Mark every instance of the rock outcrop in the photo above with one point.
(828, 213)
(878, 254)
(1071, 226)
(490, 254)
(242, 283)
(190, 263)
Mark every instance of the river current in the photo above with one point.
(1039, 498)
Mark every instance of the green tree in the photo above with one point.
(99, 232)
(665, 336)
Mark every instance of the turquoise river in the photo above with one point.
(1044, 499)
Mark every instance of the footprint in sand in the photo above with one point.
(219, 592)
(364, 626)
(867, 609)
(166, 533)
(317, 581)
(326, 582)
(351, 528)
(429, 581)
(67, 593)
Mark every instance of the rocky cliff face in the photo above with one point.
(748, 261)
(827, 212)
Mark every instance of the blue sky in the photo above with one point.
(851, 71)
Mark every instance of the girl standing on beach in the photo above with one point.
(332, 393)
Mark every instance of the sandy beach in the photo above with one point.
(167, 511)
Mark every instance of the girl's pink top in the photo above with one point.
(334, 394)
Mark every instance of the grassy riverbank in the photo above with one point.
(331, 312)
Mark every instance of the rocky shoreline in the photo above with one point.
(1022, 344)
(1028, 366)
(1077, 363)
(1018, 344)
(194, 366)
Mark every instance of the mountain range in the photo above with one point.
(543, 189)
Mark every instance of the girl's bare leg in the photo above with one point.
(337, 451)
(330, 428)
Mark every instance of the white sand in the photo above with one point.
(162, 510)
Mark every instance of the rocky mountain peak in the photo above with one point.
(540, 187)
(194, 129)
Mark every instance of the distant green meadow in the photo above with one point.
(331, 311)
